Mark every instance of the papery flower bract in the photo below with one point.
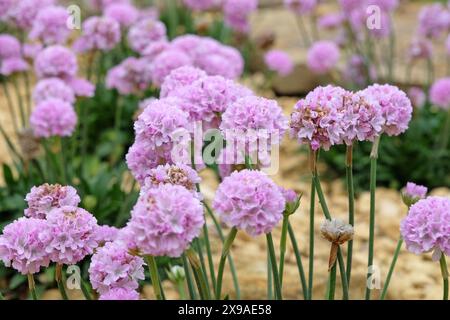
(56, 61)
(53, 117)
(50, 26)
(440, 93)
(144, 32)
(44, 198)
(201, 5)
(98, 33)
(112, 267)
(434, 19)
(166, 219)
(119, 294)
(22, 245)
(413, 193)
(166, 62)
(124, 13)
(316, 121)
(279, 62)
(237, 12)
(395, 107)
(336, 231)
(323, 56)
(300, 6)
(417, 96)
(426, 227)
(249, 201)
(52, 88)
(130, 76)
(180, 78)
(72, 234)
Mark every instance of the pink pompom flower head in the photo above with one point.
(120, 294)
(23, 13)
(23, 245)
(323, 56)
(132, 75)
(113, 267)
(106, 234)
(144, 32)
(413, 193)
(124, 13)
(98, 33)
(417, 96)
(248, 200)
(166, 62)
(53, 117)
(10, 55)
(440, 93)
(278, 61)
(72, 234)
(237, 12)
(426, 226)
(56, 61)
(434, 19)
(53, 88)
(50, 26)
(165, 220)
(44, 198)
(179, 78)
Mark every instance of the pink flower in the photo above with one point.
(50, 26)
(144, 32)
(301, 6)
(23, 13)
(124, 13)
(440, 93)
(395, 107)
(426, 226)
(106, 234)
(9, 47)
(120, 294)
(31, 50)
(23, 244)
(43, 199)
(53, 88)
(200, 5)
(323, 56)
(279, 62)
(237, 12)
(420, 48)
(249, 201)
(72, 234)
(56, 61)
(413, 193)
(112, 267)
(153, 49)
(165, 220)
(166, 62)
(12, 65)
(53, 117)
(179, 78)
(98, 33)
(331, 20)
(434, 19)
(417, 96)
(130, 76)
(81, 87)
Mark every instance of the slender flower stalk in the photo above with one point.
(199, 275)
(373, 185)
(190, 284)
(154, 276)
(20, 102)
(85, 288)
(332, 280)
(59, 281)
(283, 242)
(32, 286)
(312, 205)
(298, 259)
(391, 269)
(202, 263)
(351, 207)
(273, 262)
(225, 251)
(444, 272)
(269, 277)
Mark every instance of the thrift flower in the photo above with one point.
(98, 33)
(52, 88)
(279, 62)
(440, 93)
(53, 117)
(323, 56)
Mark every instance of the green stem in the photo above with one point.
(444, 272)
(32, 286)
(85, 289)
(225, 250)
(190, 284)
(269, 278)
(117, 119)
(20, 101)
(273, 262)
(154, 276)
(209, 255)
(201, 263)
(311, 240)
(199, 275)
(64, 167)
(298, 259)
(373, 185)
(445, 132)
(332, 283)
(351, 207)
(28, 92)
(181, 290)
(345, 290)
(283, 240)
(391, 269)
(59, 281)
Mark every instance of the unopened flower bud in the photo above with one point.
(176, 274)
(413, 193)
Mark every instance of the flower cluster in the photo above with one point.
(130, 76)
(11, 60)
(50, 26)
(98, 33)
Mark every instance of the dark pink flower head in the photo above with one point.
(72, 234)
(50, 26)
(120, 294)
(131, 76)
(113, 267)
(237, 12)
(53, 117)
(413, 193)
(323, 56)
(52, 88)
(434, 19)
(395, 107)
(43, 199)
(124, 13)
(200, 5)
(316, 120)
(166, 62)
(440, 93)
(426, 227)
(301, 6)
(56, 61)
(249, 201)
(165, 220)
(279, 62)
(23, 243)
(23, 13)
(144, 32)
(179, 78)
(98, 33)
